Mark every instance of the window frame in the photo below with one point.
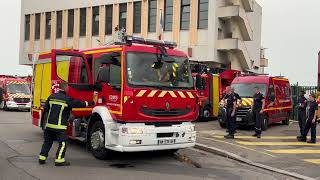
(37, 26)
(137, 16)
(206, 21)
(70, 25)
(95, 23)
(48, 25)
(183, 6)
(167, 15)
(27, 24)
(109, 19)
(83, 22)
(59, 24)
(152, 16)
(123, 10)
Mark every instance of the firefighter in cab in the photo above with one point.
(231, 104)
(58, 108)
(257, 110)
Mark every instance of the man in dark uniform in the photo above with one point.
(231, 103)
(312, 109)
(236, 95)
(257, 111)
(58, 108)
(302, 104)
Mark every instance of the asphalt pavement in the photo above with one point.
(277, 148)
(20, 143)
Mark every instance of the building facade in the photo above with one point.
(223, 33)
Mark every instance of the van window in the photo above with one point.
(104, 61)
(271, 91)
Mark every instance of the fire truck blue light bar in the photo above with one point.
(139, 40)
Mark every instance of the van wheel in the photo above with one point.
(265, 123)
(2, 105)
(286, 121)
(96, 141)
(206, 113)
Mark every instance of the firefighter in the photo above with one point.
(58, 108)
(231, 103)
(302, 104)
(257, 111)
(311, 113)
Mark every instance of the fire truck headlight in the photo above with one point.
(190, 129)
(132, 130)
(10, 98)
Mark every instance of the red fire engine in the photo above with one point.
(278, 99)
(14, 93)
(143, 89)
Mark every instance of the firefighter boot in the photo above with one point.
(66, 163)
(41, 162)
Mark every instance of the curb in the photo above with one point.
(238, 158)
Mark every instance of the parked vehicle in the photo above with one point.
(143, 89)
(278, 99)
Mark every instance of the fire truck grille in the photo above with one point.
(165, 113)
(22, 100)
(242, 112)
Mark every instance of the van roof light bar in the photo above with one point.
(140, 40)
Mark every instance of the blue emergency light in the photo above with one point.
(140, 40)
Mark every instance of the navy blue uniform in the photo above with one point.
(58, 108)
(302, 105)
(257, 107)
(311, 109)
(231, 124)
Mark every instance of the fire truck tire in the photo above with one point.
(286, 121)
(265, 123)
(96, 141)
(206, 113)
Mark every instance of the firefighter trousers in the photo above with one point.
(302, 120)
(313, 127)
(231, 122)
(49, 137)
(258, 121)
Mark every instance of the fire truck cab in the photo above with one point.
(143, 91)
(14, 93)
(278, 99)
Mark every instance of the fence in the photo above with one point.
(295, 95)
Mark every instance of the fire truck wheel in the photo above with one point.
(286, 121)
(96, 141)
(206, 113)
(265, 123)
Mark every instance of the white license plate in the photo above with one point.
(166, 141)
(239, 119)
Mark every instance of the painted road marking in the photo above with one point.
(263, 137)
(295, 151)
(314, 161)
(243, 147)
(276, 143)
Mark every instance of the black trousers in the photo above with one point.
(258, 121)
(302, 120)
(49, 137)
(231, 122)
(313, 127)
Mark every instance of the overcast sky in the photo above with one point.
(291, 33)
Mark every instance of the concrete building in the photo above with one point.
(224, 33)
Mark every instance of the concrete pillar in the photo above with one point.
(160, 7)
(64, 37)
(144, 18)
(102, 22)
(76, 28)
(89, 28)
(129, 27)
(176, 21)
(53, 29)
(32, 33)
(42, 32)
(193, 28)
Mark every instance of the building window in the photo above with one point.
(48, 25)
(83, 21)
(203, 14)
(95, 21)
(70, 22)
(152, 21)
(137, 17)
(123, 16)
(27, 28)
(168, 15)
(37, 27)
(185, 15)
(59, 24)
(108, 24)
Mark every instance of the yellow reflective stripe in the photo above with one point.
(174, 74)
(43, 158)
(63, 104)
(181, 94)
(190, 95)
(60, 160)
(61, 150)
(53, 126)
(125, 99)
(175, 65)
(141, 93)
(58, 100)
(172, 94)
(60, 115)
(163, 93)
(152, 93)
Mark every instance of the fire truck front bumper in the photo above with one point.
(18, 106)
(134, 137)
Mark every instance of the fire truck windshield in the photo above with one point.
(246, 90)
(145, 69)
(18, 88)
